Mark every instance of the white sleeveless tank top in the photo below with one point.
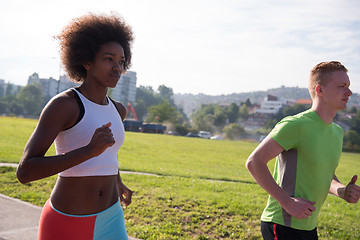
(81, 134)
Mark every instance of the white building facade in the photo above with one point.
(272, 105)
(125, 90)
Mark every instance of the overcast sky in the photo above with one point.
(195, 46)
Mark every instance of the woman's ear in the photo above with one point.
(87, 66)
(319, 90)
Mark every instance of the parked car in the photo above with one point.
(217, 137)
(191, 134)
(204, 134)
(174, 133)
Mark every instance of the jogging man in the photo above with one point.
(308, 148)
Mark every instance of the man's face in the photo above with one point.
(336, 91)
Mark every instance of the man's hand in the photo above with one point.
(300, 208)
(352, 191)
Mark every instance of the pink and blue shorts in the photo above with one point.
(108, 224)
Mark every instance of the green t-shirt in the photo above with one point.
(306, 167)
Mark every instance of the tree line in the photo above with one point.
(158, 106)
(27, 101)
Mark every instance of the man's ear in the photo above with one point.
(87, 66)
(319, 90)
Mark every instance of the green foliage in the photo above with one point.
(159, 106)
(286, 111)
(145, 97)
(234, 131)
(31, 98)
(233, 112)
(244, 112)
(3, 106)
(183, 129)
(352, 137)
(210, 118)
(355, 122)
(28, 101)
(166, 93)
(203, 121)
(140, 108)
(164, 112)
(351, 141)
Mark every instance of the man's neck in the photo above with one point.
(326, 114)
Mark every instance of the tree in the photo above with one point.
(352, 137)
(355, 122)
(284, 112)
(234, 131)
(9, 89)
(248, 103)
(233, 112)
(3, 106)
(147, 95)
(31, 98)
(352, 141)
(166, 93)
(16, 108)
(140, 109)
(244, 111)
(164, 112)
(220, 116)
(293, 110)
(2, 91)
(203, 121)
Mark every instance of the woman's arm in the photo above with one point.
(124, 192)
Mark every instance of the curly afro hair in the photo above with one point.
(83, 37)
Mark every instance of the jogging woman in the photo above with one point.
(87, 128)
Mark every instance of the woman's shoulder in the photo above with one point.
(63, 107)
(66, 98)
(120, 108)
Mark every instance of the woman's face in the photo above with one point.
(108, 65)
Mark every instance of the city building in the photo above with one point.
(48, 85)
(125, 90)
(51, 86)
(270, 105)
(65, 83)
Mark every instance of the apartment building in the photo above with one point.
(125, 90)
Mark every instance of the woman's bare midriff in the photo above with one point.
(84, 195)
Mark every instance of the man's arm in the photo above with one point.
(257, 166)
(350, 192)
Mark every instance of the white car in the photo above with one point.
(204, 134)
(217, 137)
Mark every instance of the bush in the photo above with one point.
(234, 131)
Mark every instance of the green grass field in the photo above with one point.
(202, 191)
